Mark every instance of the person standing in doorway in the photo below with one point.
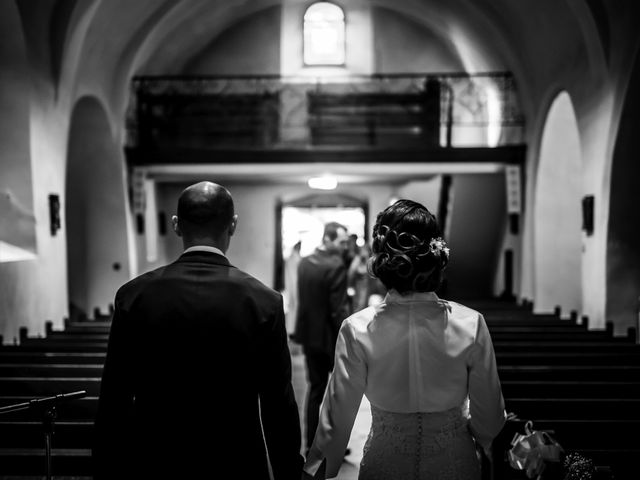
(322, 306)
(291, 286)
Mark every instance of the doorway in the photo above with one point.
(299, 227)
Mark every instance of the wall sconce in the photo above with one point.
(140, 223)
(587, 214)
(54, 213)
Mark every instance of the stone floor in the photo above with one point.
(349, 469)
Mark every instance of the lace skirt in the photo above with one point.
(419, 446)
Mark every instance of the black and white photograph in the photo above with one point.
(309, 240)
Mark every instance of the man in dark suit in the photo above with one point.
(322, 306)
(197, 378)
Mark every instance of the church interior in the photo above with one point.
(513, 122)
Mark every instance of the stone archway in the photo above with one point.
(96, 210)
(557, 212)
(623, 236)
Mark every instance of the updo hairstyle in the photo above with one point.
(408, 253)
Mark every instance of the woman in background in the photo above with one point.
(426, 365)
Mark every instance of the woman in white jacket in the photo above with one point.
(426, 365)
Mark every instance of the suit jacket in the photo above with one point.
(322, 301)
(197, 367)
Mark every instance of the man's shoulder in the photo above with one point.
(136, 284)
(244, 283)
(323, 258)
(252, 282)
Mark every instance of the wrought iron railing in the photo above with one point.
(435, 110)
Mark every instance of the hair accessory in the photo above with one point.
(437, 246)
(407, 243)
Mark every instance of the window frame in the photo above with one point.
(343, 39)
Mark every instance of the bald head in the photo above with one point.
(205, 215)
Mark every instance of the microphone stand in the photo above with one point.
(46, 406)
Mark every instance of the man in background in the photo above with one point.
(291, 287)
(198, 365)
(322, 306)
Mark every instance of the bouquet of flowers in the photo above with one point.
(542, 457)
(577, 467)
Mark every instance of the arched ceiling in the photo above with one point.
(112, 40)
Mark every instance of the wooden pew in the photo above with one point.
(50, 370)
(68, 462)
(582, 384)
(42, 386)
(15, 354)
(28, 434)
(537, 372)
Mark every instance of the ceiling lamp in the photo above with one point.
(325, 182)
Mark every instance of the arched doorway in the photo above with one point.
(557, 212)
(95, 213)
(623, 238)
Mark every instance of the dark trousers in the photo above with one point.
(319, 366)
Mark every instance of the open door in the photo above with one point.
(299, 227)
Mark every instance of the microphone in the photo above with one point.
(43, 403)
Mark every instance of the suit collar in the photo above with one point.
(204, 248)
(203, 256)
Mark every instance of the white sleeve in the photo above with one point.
(486, 404)
(340, 404)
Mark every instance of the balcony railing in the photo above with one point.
(443, 110)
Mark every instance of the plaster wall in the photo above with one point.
(32, 291)
(593, 121)
(426, 192)
(253, 245)
(572, 59)
(16, 196)
(250, 47)
(476, 221)
(623, 254)
(96, 210)
(404, 46)
(557, 212)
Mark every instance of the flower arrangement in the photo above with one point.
(542, 457)
(536, 452)
(578, 467)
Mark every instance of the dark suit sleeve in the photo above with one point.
(338, 296)
(115, 405)
(279, 409)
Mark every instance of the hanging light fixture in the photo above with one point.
(325, 182)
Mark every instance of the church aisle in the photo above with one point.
(350, 467)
